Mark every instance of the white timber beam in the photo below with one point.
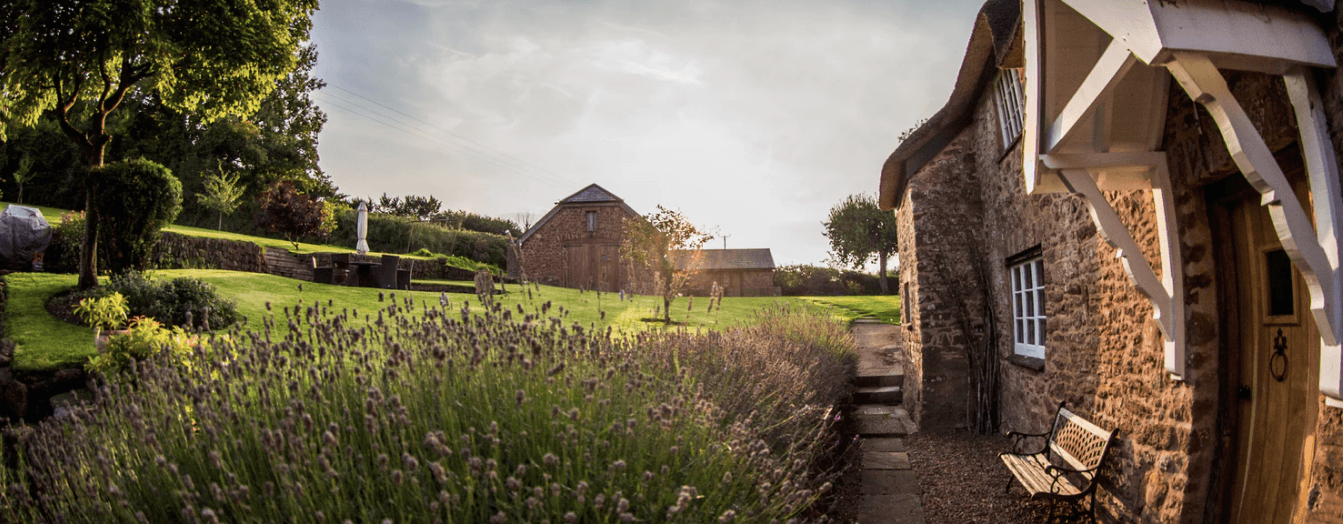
(1322, 170)
(1201, 79)
(1097, 88)
(1165, 293)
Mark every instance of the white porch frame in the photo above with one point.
(1314, 249)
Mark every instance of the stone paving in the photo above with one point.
(890, 487)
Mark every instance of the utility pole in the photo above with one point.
(725, 241)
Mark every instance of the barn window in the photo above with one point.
(1028, 306)
(592, 220)
(1007, 97)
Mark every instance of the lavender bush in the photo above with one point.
(449, 415)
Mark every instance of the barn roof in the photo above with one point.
(593, 194)
(722, 259)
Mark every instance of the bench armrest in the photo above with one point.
(1017, 437)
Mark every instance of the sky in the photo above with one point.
(750, 117)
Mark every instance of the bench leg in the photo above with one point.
(1008, 488)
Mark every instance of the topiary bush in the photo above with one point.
(134, 200)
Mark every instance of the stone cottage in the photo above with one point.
(576, 244)
(741, 272)
(1132, 207)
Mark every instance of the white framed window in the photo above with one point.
(1007, 97)
(1028, 306)
(592, 220)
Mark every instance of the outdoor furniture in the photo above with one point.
(323, 275)
(362, 274)
(385, 274)
(1063, 469)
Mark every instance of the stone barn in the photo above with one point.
(741, 272)
(1133, 207)
(576, 244)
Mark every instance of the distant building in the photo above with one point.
(742, 272)
(577, 244)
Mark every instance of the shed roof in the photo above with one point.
(722, 259)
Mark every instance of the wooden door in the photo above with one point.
(1274, 369)
(578, 266)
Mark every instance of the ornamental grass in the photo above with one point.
(457, 413)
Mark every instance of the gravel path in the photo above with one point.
(962, 480)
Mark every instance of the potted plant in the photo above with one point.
(104, 315)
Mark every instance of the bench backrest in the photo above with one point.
(1077, 441)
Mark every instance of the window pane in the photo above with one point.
(1020, 331)
(1280, 299)
(1030, 305)
(1016, 312)
(1030, 333)
(1016, 279)
(1039, 272)
(1040, 329)
(1027, 283)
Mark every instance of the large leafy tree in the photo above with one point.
(859, 231)
(77, 60)
(666, 248)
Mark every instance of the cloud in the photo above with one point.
(754, 115)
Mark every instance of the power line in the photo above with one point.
(383, 119)
(488, 148)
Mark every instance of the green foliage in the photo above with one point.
(67, 237)
(222, 194)
(423, 417)
(809, 280)
(860, 231)
(390, 234)
(188, 302)
(287, 212)
(136, 198)
(664, 250)
(473, 222)
(107, 312)
(145, 338)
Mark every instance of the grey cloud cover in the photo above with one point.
(750, 116)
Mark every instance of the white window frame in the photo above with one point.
(1028, 311)
(1007, 98)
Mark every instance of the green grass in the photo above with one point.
(885, 308)
(45, 342)
(41, 340)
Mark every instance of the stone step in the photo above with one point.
(876, 420)
(878, 395)
(880, 380)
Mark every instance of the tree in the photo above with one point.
(666, 247)
(858, 231)
(77, 60)
(286, 211)
(222, 194)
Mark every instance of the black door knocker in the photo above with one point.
(1279, 350)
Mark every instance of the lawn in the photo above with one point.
(885, 308)
(43, 342)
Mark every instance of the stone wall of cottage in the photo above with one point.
(943, 205)
(543, 256)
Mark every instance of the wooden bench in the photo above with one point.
(1063, 469)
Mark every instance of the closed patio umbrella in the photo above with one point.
(362, 229)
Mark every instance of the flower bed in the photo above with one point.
(451, 416)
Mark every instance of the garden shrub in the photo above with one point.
(287, 212)
(145, 338)
(809, 280)
(134, 199)
(171, 301)
(67, 239)
(453, 415)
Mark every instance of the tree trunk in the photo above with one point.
(88, 256)
(881, 272)
(666, 310)
(220, 225)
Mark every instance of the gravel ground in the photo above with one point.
(962, 480)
